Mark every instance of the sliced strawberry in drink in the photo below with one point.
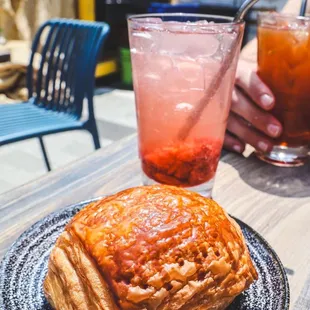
(183, 164)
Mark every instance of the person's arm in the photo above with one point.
(249, 52)
(293, 7)
(250, 121)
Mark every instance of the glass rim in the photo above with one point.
(283, 15)
(230, 20)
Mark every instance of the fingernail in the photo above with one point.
(266, 101)
(237, 148)
(274, 130)
(263, 146)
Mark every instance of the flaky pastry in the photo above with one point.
(149, 248)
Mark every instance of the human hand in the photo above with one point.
(249, 120)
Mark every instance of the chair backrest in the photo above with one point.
(69, 52)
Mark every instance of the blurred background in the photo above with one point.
(114, 101)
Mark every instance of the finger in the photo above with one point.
(261, 120)
(233, 144)
(249, 81)
(239, 127)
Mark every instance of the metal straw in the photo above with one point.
(216, 82)
(303, 8)
(245, 7)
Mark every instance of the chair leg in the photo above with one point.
(94, 133)
(45, 154)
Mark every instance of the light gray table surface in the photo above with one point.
(274, 201)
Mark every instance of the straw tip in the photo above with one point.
(303, 9)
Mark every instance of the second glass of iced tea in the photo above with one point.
(182, 109)
(284, 65)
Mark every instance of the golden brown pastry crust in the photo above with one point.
(156, 247)
(73, 280)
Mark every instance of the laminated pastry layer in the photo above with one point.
(73, 281)
(165, 248)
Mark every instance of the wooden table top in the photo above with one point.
(274, 201)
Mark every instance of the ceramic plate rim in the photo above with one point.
(3, 262)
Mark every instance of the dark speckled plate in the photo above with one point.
(24, 267)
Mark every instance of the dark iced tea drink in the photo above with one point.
(284, 65)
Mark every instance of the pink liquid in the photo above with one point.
(171, 74)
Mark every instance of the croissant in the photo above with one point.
(149, 248)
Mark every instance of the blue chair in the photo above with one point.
(69, 51)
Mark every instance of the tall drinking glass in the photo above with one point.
(183, 71)
(284, 65)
